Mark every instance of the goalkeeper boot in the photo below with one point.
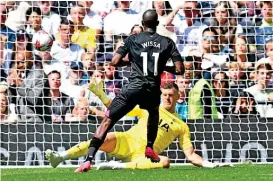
(150, 153)
(53, 157)
(85, 167)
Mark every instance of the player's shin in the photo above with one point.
(152, 127)
(99, 138)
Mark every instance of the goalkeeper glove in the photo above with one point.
(96, 86)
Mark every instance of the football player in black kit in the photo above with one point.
(148, 55)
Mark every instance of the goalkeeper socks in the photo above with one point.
(78, 150)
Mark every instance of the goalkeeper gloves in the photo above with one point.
(96, 86)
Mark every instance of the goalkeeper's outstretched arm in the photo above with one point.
(197, 160)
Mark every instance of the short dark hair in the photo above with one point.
(31, 10)
(266, 66)
(210, 29)
(137, 25)
(65, 21)
(170, 85)
(74, 6)
(54, 72)
(226, 78)
(262, 3)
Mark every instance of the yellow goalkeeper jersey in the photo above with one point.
(170, 127)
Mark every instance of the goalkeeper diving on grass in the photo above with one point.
(129, 146)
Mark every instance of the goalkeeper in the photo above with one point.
(130, 146)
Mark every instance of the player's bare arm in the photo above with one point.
(177, 69)
(117, 60)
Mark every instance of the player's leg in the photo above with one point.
(151, 103)
(79, 150)
(152, 128)
(119, 107)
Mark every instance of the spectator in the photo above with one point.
(244, 106)
(81, 111)
(51, 21)
(59, 106)
(113, 82)
(7, 112)
(260, 90)
(99, 74)
(136, 29)
(6, 31)
(7, 109)
(241, 53)
(30, 90)
(22, 62)
(266, 9)
(225, 24)
(269, 53)
(3, 41)
(91, 19)
(182, 103)
(34, 21)
(72, 85)
(186, 23)
(46, 60)
(88, 60)
(16, 16)
(63, 51)
(22, 43)
(114, 21)
(235, 73)
(83, 36)
(62, 7)
(140, 6)
(189, 70)
(222, 92)
(208, 53)
(202, 101)
(163, 9)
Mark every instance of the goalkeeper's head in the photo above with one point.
(150, 20)
(170, 95)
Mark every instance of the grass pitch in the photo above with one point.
(175, 173)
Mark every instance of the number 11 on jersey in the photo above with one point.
(144, 56)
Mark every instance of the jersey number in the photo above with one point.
(144, 56)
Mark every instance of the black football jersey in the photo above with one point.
(148, 54)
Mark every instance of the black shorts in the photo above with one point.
(127, 99)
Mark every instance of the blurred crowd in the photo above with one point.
(227, 47)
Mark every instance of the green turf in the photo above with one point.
(183, 173)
